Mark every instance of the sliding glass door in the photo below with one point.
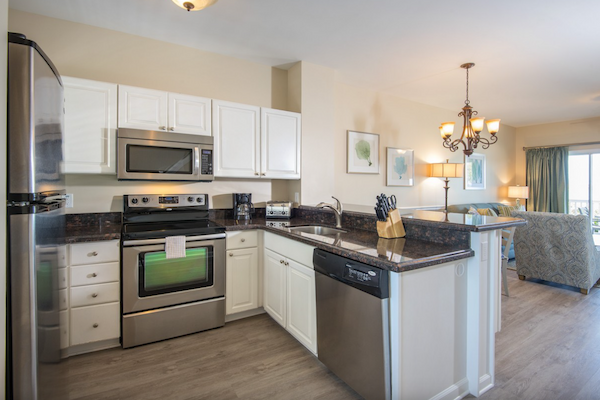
(584, 187)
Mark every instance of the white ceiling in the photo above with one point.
(537, 61)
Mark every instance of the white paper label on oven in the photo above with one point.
(175, 246)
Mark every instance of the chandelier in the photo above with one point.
(194, 5)
(472, 127)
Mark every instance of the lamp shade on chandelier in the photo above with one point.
(194, 5)
(472, 127)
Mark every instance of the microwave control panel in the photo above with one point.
(206, 162)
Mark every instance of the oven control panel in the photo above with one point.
(165, 200)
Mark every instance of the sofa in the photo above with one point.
(464, 209)
(557, 248)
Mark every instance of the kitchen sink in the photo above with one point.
(317, 230)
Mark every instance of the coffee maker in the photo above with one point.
(242, 206)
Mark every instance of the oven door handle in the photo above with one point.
(164, 240)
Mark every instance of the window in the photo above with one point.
(584, 186)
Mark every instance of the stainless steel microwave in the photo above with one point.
(163, 156)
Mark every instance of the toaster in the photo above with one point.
(279, 209)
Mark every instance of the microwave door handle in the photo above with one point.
(196, 160)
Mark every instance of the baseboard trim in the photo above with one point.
(244, 314)
(454, 392)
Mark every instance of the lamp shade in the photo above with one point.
(447, 170)
(518, 192)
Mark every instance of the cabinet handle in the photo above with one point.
(256, 173)
(243, 240)
(263, 174)
(281, 261)
(95, 325)
(93, 254)
(94, 295)
(230, 254)
(286, 263)
(94, 274)
(171, 128)
(162, 128)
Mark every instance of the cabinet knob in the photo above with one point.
(94, 274)
(286, 263)
(171, 128)
(281, 261)
(93, 254)
(256, 173)
(94, 295)
(243, 240)
(263, 174)
(95, 325)
(230, 254)
(162, 128)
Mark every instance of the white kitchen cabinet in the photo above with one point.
(280, 133)
(251, 142)
(275, 291)
(289, 289)
(236, 129)
(141, 108)
(90, 127)
(242, 290)
(94, 294)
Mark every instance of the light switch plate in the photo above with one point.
(69, 200)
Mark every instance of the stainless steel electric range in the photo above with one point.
(172, 268)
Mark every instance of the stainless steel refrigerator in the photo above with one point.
(35, 221)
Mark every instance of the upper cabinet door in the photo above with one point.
(141, 108)
(280, 144)
(90, 126)
(189, 114)
(237, 140)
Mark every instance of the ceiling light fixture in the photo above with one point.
(471, 127)
(194, 5)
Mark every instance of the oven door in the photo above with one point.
(152, 281)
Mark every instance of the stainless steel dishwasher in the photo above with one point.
(353, 323)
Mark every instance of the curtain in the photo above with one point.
(547, 175)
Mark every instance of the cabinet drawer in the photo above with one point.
(242, 239)
(94, 252)
(93, 274)
(63, 299)
(89, 295)
(63, 278)
(64, 329)
(94, 323)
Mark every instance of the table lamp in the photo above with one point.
(446, 170)
(518, 192)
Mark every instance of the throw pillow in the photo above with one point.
(505, 211)
(472, 211)
(487, 211)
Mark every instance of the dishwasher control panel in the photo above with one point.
(362, 274)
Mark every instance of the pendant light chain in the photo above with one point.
(467, 102)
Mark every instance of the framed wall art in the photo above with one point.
(475, 172)
(363, 153)
(400, 167)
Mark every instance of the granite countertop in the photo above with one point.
(397, 255)
(433, 237)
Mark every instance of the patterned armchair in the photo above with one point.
(557, 248)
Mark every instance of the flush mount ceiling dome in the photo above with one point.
(194, 5)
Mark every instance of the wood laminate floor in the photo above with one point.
(549, 348)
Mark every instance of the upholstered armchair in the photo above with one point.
(556, 248)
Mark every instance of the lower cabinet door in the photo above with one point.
(95, 323)
(275, 286)
(301, 305)
(242, 280)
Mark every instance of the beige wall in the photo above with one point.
(560, 133)
(408, 125)
(3, 49)
(99, 54)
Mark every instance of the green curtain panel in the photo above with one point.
(547, 178)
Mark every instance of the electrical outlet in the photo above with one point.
(69, 200)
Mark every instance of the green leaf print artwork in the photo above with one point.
(400, 166)
(363, 151)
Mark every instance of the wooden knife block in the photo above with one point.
(393, 227)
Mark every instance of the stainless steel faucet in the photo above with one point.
(338, 209)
